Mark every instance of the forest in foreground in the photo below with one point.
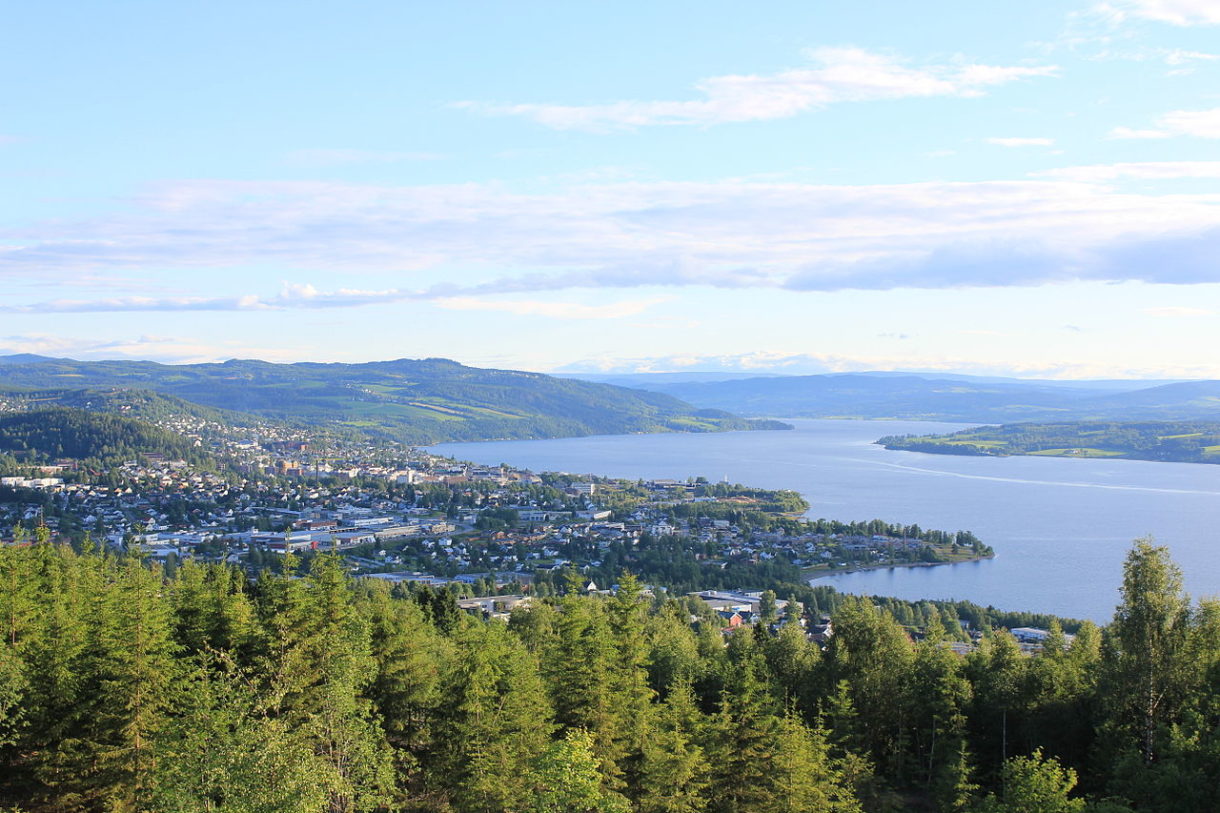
(124, 690)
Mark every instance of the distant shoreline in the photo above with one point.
(813, 574)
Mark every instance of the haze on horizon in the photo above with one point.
(996, 190)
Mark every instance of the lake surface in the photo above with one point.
(1060, 527)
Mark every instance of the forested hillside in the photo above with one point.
(132, 403)
(425, 401)
(122, 690)
(1182, 442)
(98, 440)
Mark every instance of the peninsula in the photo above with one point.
(1169, 441)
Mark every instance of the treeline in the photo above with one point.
(97, 440)
(1178, 441)
(121, 690)
(674, 561)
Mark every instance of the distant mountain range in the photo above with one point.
(413, 401)
(945, 397)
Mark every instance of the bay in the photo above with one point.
(1060, 527)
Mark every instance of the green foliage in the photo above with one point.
(567, 780)
(123, 689)
(103, 440)
(1035, 785)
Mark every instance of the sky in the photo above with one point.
(999, 188)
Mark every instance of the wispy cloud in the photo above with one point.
(343, 157)
(1179, 56)
(489, 241)
(1175, 12)
(1178, 312)
(552, 310)
(837, 75)
(1141, 170)
(1195, 123)
(168, 349)
(1021, 142)
(1138, 134)
(292, 296)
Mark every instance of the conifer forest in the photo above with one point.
(122, 689)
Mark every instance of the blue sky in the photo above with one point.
(1000, 188)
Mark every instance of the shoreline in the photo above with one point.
(811, 575)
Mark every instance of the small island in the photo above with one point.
(1168, 441)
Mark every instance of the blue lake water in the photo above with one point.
(1060, 527)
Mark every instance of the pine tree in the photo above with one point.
(496, 718)
(223, 750)
(406, 690)
(567, 779)
(740, 742)
(212, 610)
(674, 771)
(139, 668)
(873, 654)
(325, 667)
(629, 696)
(794, 662)
(12, 694)
(802, 776)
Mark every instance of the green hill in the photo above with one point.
(45, 435)
(144, 404)
(1181, 442)
(413, 401)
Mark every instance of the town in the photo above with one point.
(405, 514)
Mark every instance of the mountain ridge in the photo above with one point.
(958, 398)
(408, 400)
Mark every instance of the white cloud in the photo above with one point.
(1171, 312)
(291, 297)
(552, 310)
(1130, 133)
(839, 75)
(166, 349)
(1181, 57)
(1196, 123)
(1176, 12)
(1021, 142)
(1146, 170)
(486, 241)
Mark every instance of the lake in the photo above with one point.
(1060, 527)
